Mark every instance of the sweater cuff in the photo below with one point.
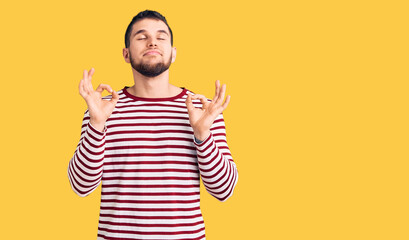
(202, 144)
(96, 133)
(198, 141)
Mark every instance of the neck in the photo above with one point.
(153, 87)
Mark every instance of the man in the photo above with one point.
(149, 144)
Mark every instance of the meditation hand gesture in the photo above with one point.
(201, 119)
(99, 109)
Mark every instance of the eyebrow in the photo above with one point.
(143, 30)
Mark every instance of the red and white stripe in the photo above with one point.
(150, 167)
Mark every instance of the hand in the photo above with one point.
(201, 119)
(99, 109)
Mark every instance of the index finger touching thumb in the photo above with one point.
(189, 103)
(115, 96)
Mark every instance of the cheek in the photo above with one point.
(134, 48)
(133, 53)
(168, 51)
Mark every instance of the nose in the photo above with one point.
(152, 43)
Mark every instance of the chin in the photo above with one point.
(152, 61)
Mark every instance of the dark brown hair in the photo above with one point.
(142, 15)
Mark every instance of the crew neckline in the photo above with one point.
(125, 91)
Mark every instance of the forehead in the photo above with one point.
(149, 25)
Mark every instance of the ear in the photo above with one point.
(173, 54)
(125, 53)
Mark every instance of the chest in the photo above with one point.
(150, 130)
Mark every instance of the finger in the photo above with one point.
(222, 93)
(189, 103)
(202, 99)
(85, 74)
(102, 86)
(216, 94)
(198, 96)
(81, 87)
(91, 72)
(115, 97)
(224, 106)
(87, 82)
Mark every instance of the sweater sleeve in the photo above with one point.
(217, 168)
(85, 167)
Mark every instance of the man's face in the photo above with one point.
(150, 52)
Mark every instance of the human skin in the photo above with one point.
(150, 43)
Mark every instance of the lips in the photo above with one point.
(152, 52)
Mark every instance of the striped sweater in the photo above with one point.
(150, 167)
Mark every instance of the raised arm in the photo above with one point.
(85, 167)
(217, 168)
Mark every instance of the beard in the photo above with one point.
(150, 69)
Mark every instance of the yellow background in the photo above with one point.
(317, 124)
